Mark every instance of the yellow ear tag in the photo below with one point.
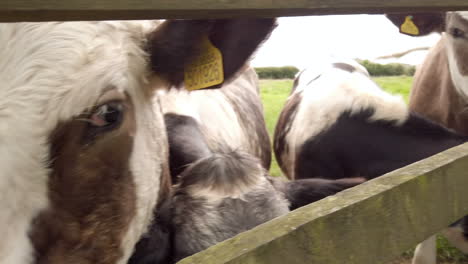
(206, 69)
(409, 27)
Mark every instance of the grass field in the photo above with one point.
(274, 94)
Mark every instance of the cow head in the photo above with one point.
(455, 25)
(84, 149)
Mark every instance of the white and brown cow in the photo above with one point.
(440, 91)
(338, 123)
(440, 87)
(84, 146)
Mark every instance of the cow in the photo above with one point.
(440, 89)
(338, 123)
(219, 191)
(84, 145)
(231, 116)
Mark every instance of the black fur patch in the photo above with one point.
(464, 225)
(306, 191)
(237, 39)
(173, 44)
(357, 147)
(187, 144)
(344, 66)
(283, 126)
(156, 246)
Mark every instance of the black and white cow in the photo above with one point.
(338, 123)
(219, 193)
(216, 198)
(84, 147)
(231, 116)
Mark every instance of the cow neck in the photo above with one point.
(438, 99)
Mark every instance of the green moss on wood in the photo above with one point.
(371, 223)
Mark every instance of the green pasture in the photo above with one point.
(274, 94)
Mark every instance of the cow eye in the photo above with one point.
(107, 116)
(457, 33)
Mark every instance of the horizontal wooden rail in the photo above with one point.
(48, 10)
(371, 223)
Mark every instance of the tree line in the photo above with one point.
(374, 69)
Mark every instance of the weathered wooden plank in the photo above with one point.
(46, 10)
(371, 223)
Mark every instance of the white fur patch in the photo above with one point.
(50, 72)
(325, 98)
(460, 81)
(313, 71)
(149, 153)
(214, 112)
(222, 124)
(426, 252)
(463, 14)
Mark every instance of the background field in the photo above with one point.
(274, 94)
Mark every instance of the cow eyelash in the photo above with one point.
(108, 114)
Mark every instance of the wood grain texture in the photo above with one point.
(371, 223)
(52, 10)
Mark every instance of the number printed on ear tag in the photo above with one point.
(408, 27)
(206, 69)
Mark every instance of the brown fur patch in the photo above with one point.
(165, 185)
(461, 50)
(282, 129)
(462, 57)
(433, 94)
(295, 84)
(91, 193)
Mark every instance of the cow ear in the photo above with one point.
(181, 49)
(418, 24)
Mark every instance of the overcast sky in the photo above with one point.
(301, 41)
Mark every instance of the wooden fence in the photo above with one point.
(46, 10)
(371, 223)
